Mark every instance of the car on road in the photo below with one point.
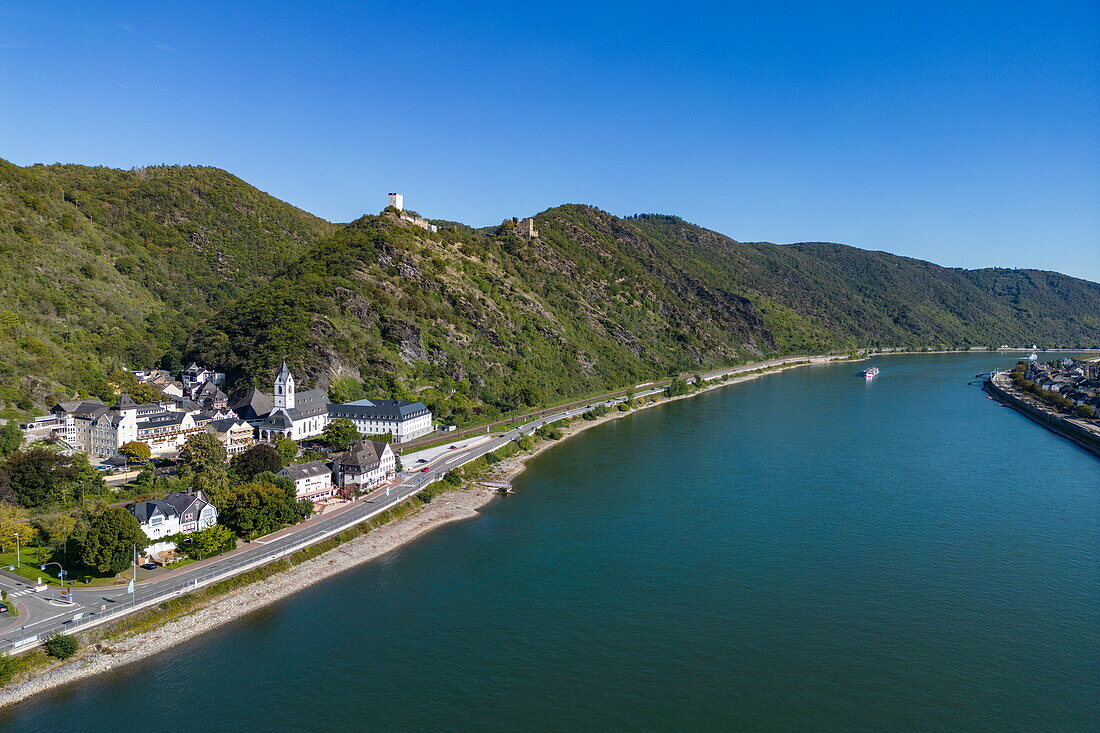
(421, 460)
(425, 469)
(149, 566)
(453, 447)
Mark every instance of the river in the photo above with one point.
(805, 551)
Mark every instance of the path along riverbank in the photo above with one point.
(449, 507)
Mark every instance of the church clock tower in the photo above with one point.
(284, 389)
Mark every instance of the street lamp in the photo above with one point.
(61, 573)
(18, 561)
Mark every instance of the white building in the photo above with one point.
(288, 413)
(91, 427)
(312, 480)
(195, 376)
(366, 464)
(235, 435)
(402, 419)
(397, 201)
(181, 512)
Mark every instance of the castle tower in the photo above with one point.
(284, 389)
(397, 201)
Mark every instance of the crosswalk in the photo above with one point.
(17, 593)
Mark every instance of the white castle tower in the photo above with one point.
(397, 201)
(284, 389)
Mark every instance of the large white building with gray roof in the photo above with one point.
(402, 419)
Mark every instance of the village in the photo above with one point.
(118, 437)
(1071, 384)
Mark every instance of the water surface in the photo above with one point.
(805, 551)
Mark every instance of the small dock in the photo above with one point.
(501, 487)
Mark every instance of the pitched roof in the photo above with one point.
(143, 511)
(226, 424)
(181, 500)
(309, 403)
(284, 373)
(364, 454)
(398, 410)
(277, 420)
(254, 405)
(301, 471)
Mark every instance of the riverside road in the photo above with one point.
(46, 612)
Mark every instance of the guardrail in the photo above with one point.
(83, 619)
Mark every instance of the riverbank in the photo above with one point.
(509, 469)
(104, 656)
(1077, 431)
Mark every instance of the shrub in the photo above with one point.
(9, 665)
(61, 646)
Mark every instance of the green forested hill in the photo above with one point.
(102, 267)
(488, 321)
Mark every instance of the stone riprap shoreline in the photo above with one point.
(450, 507)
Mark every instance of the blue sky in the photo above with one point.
(963, 133)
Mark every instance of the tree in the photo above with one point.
(288, 449)
(260, 507)
(112, 537)
(203, 452)
(11, 438)
(135, 451)
(55, 528)
(61, 646)
(209, 542)
(204, 466)
(340, 433)
(257, 459)
(677, 387)
(1085, 411)
(13, 521)
(42, 476)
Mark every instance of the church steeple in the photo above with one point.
(284, 389)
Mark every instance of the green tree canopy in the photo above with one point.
(135, 451)
(340, 433)
(112, 536)
(41, 476)
(257, 459)
(288, 449)
(209, 542)
(203, 452)
(261, 507)
(204, 464)
(11, 437)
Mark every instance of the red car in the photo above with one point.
(453, 447)
(425, 470)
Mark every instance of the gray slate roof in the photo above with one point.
(301, 471)
(361, 456)
(397, 410)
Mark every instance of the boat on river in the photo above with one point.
(870, 372)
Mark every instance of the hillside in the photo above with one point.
(102, 267)
(485, 321)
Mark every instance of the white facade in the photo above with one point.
(312, 480)
(401, 419)
(397, 201)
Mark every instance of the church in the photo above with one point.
(287, 413)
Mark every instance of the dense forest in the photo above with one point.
(105, 269)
